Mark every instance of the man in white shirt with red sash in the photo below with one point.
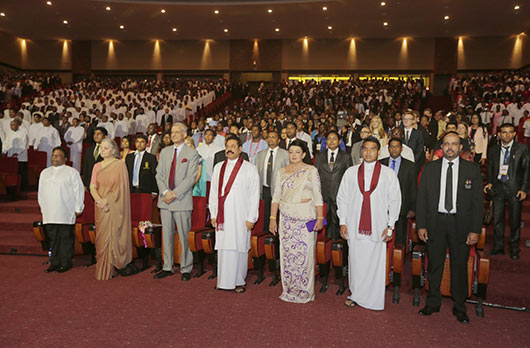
(368, 202)
(234, 207)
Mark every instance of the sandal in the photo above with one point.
(350, 303)
(240, 289)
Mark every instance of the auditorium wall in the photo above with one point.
(492, 53)
(10, 50)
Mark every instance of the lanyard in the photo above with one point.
(255, 151)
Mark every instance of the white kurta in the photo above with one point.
(61, 195)
(122, 128)
(142, 123)
(109, 126)
(241, 205)
(16, 143)
(47, 139)
(75, 135)
(207, 153)
(367, 254)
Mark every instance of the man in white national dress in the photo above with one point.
(234, 207)
(368, 202)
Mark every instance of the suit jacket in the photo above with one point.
(307, 158)
(416, 143)
(330, 178)
(518, 167)
(407, 183)
(186, 168)
(356, 153)
(156, 144)
(88, 164)
(147, 174)
(280, 160)
(220, 156)
(469, 198)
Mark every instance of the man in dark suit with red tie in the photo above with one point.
(508, 181)
(449, 210)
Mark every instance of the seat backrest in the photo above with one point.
(260, 224)
(37, 158)
(88, 215)
(322, 233)
(8, 165)
(141, 207)
(199, 214)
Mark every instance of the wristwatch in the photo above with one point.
(389, 232)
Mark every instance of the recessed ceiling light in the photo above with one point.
(383, 3)
(269, 10)
(330, 27)
(446, 18)
(65, 22)
(216, 11)
(277, 29)
(107, 8)
(516, 7)
(2, 14)
(174, 29)
(122, 27)
(49, 3)
(324, 8)
(163, 11)
(226, 30)
(385, 23)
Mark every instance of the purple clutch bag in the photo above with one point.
(311, 224)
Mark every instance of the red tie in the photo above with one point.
(172, 171)
(149, 141)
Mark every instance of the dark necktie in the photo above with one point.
(506, 161)
(407, 137)
(171, 183)
(269, 168)
(332, 160)
(449, 188)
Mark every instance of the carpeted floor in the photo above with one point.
(74, 310)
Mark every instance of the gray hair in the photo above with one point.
(113, 146)
(182, 126)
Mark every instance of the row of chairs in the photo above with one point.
(264, 251)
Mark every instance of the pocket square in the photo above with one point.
(184, 160)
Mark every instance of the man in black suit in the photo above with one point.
(406, 174)
(92, 155)
(141, 166)
(449, 212)
(290, 128)
(220, 156)
(331, 165)
(413, 139)
(508, 180)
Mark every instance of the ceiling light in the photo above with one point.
(324, 8)
(107, 8)
(330, 27)
(163, 11)
(269, 10)
(277, 29)
(174, 29)
(226, 30)
(385, 24)
(65, 22)
(2, 14)
(446, 18)
(383, 3)
(49, 3)
(122, 27)
(216, 11)
(516, 7)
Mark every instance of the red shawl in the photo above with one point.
(221, 198)
(365, 222)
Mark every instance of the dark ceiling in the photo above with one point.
(245, 19)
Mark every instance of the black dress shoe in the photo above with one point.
(186, 277)
(495, 252)
(63, 269)
(51, 269)
(514, 256)
(429, 310)
(163, 274)
(461, 316)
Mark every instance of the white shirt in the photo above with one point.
(75, 135)
(16, 143)
(207, 152)
(443, 178)
(502, 154)
(266, 164)
(406, 153)
(140, 163)
(142, 122)
(334, 155)
(61, 195)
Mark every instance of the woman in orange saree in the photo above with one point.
(110, 189)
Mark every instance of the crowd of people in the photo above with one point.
(358, 148)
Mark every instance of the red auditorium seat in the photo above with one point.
(257, 243)
(323, 255)
(477, 271)
(9, 177)
(83, 224)
(36, 163)
(42, 237)
(199, 222)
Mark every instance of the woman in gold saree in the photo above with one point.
(298, 197)
(110, 189)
